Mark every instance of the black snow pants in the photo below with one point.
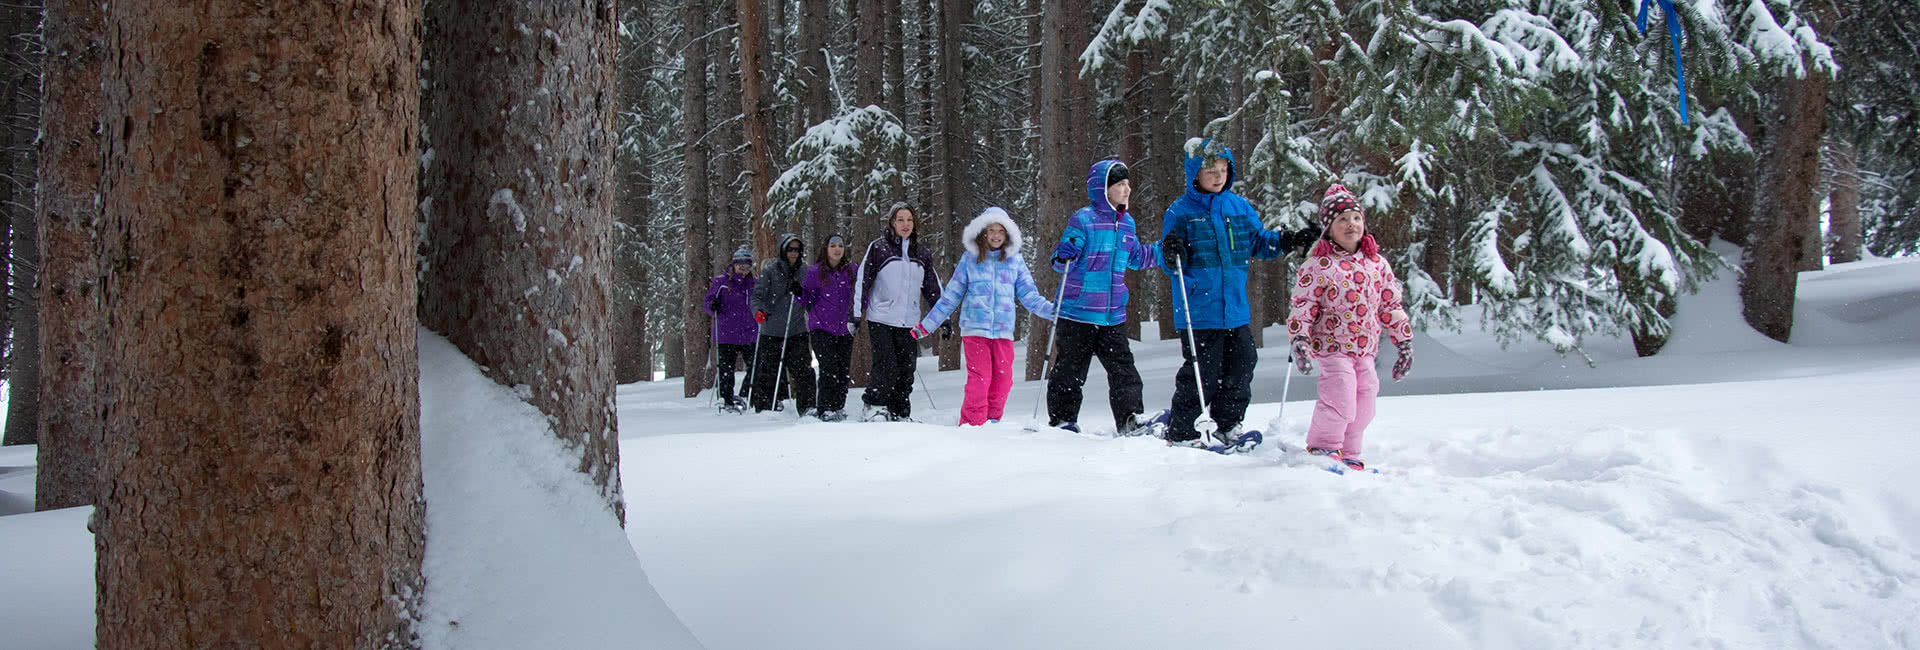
(798, 363)
(890, 383)
(1226, 359)
(1076, 345)
(834, 352)
(723, 369)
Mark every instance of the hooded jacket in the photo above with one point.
(896, 277)
(1222, 232)
(985, 284)
(1104, 245)
(1342, 300)
(772, 297)
(733, 323)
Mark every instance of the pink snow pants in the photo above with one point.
(989, 377)
(1348, 386)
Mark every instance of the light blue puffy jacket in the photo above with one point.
(985, 285)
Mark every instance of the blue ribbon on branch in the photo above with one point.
(1674, 32)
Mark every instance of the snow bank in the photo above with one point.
(521, 550)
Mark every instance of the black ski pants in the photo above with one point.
(890, 384)
(1225, 360)
(798, 364)
(834, 353)
(723, 368)
(1076, 345)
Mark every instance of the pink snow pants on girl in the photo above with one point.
(989, 377)
(1348, 386)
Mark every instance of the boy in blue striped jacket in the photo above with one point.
(1096, 250)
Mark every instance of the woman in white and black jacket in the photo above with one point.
(897, 282)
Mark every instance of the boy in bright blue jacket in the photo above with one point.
(1213, 232)
(1097, 248)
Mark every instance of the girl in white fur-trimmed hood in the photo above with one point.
(986, 283)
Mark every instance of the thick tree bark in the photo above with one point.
(1846, 239)
(755, 116)
(869, 86)
(19, 120)
(520, 241)
(1065, 150)
(1784, 204)
(263, 455)
(71, 431)
(700, 269)
(731, 223)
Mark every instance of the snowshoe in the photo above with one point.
(1143, 424)
(871, 413)
(833, 416)
(1243, 442)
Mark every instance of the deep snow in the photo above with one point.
(1731, 492)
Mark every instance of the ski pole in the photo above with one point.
(780, 364)
(713, 357)
(753, 372)
(923, 381)
(1052, 331)
(1204, 424)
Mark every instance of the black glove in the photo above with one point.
(1172, 247)
(713, 304)
(946, 331)
(794, 288)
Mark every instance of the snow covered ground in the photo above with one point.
(1732, 492)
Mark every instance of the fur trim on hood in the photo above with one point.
(970, 237)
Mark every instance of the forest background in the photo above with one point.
(1540, 160)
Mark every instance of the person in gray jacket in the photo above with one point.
(783, 328)
(896, 285)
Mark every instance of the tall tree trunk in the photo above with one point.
(520, 251)
(633, 192)
(1846, 238)
(817, 103)
(71, 431)
(19, 119)
(696, 347)
(1165, 177)
(731, 223)
(1770, 265)
(869, 88)
(951, 146)
(755, 113)
(260, 367)
(1066, 133)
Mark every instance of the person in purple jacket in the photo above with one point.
(733, 328)
(827, 293)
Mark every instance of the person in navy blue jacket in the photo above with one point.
(1214, 233)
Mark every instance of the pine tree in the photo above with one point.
(259, 360)
(71, 432)
(518, 195)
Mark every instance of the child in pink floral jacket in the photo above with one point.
(1345, 295)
